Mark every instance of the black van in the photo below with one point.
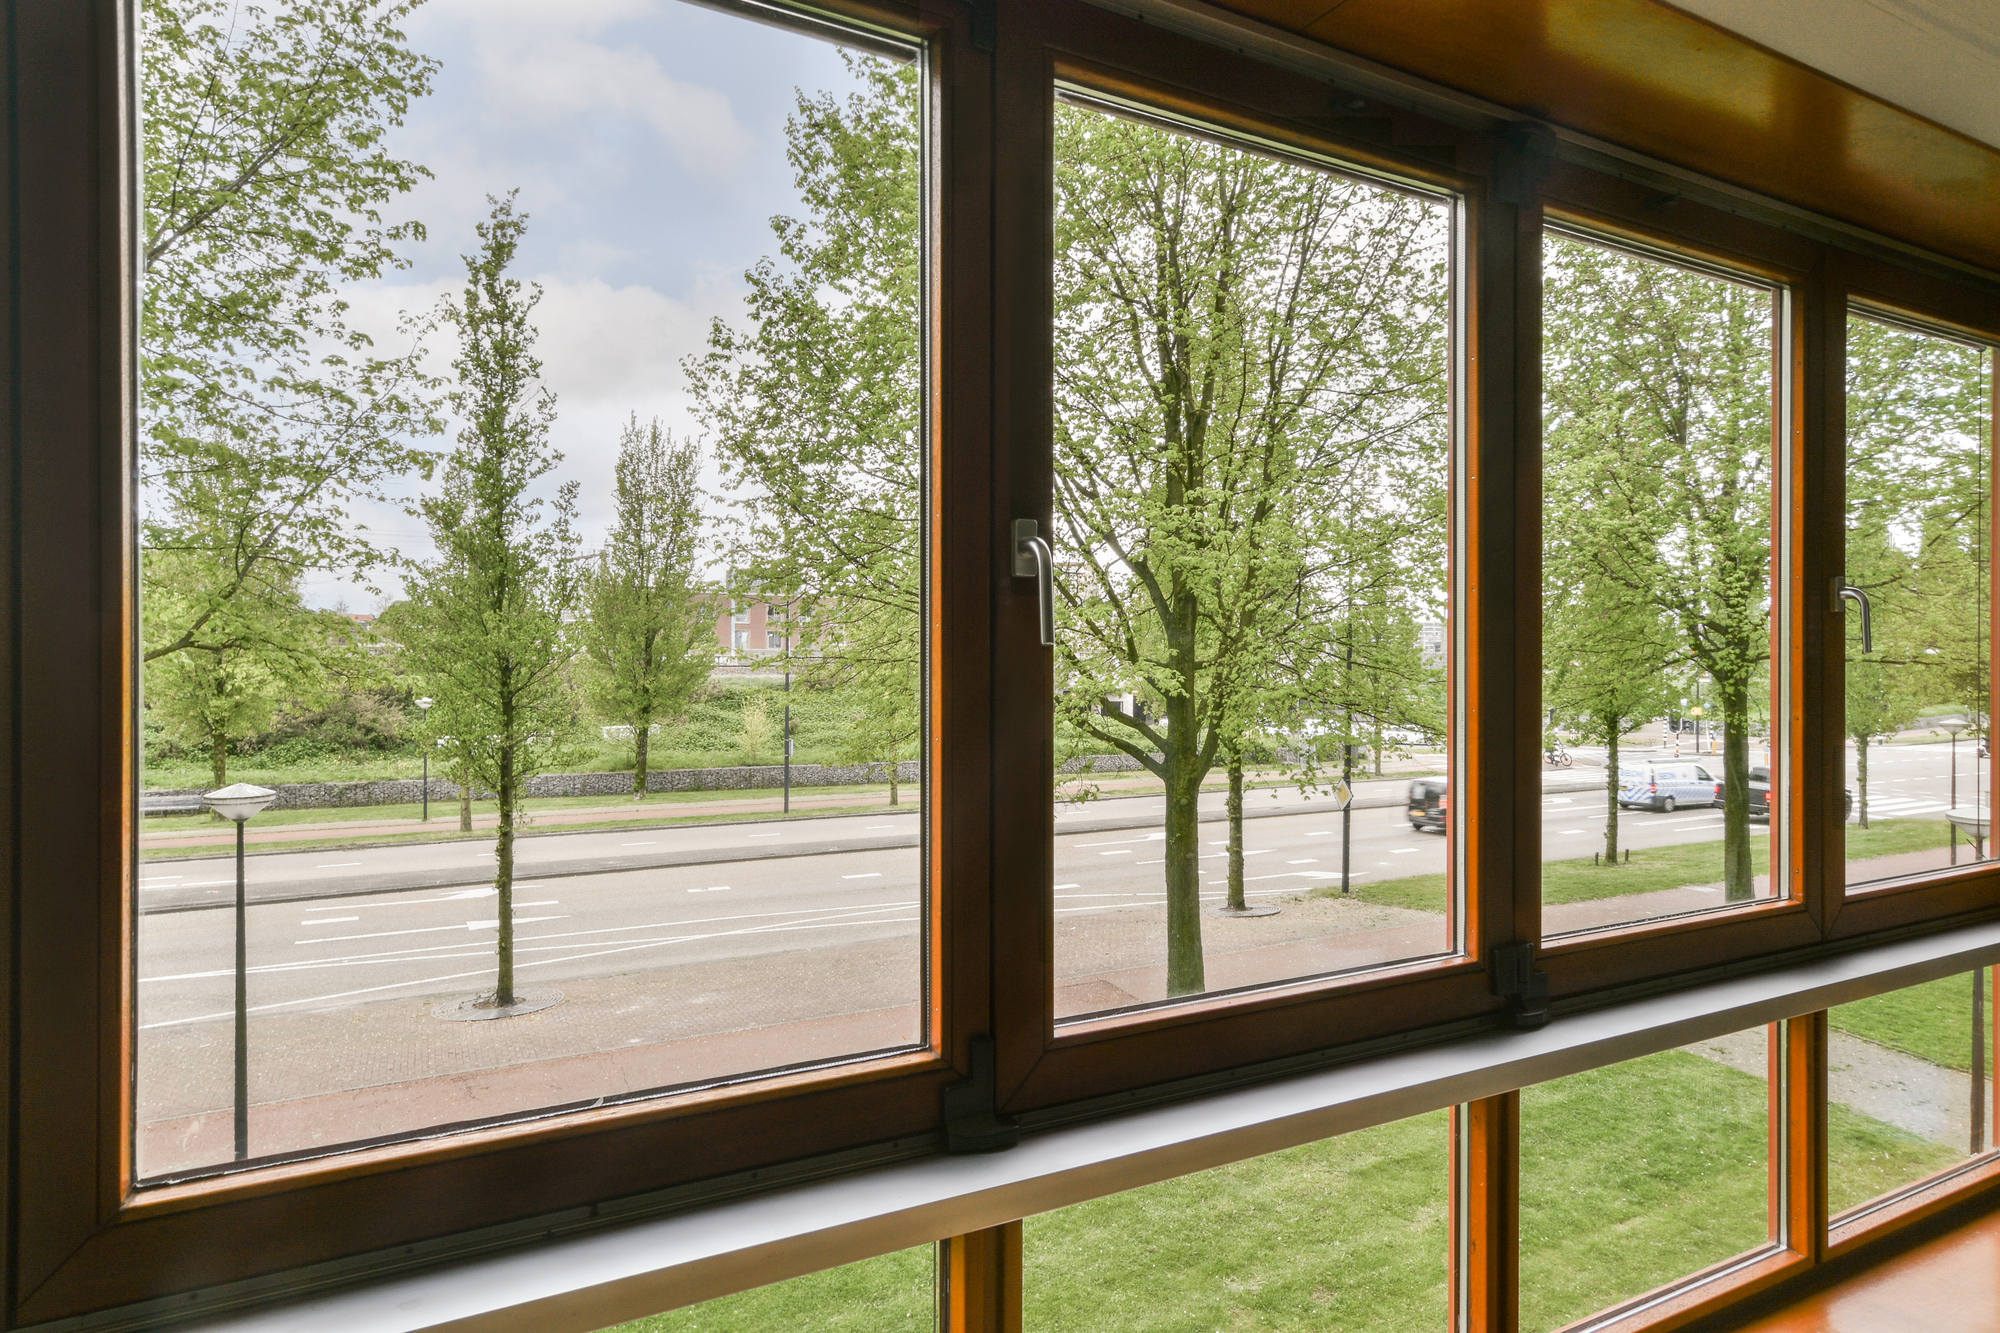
(1427, 804)
(1758, 796)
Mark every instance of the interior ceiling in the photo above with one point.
(1882, 113)
(1938, 58)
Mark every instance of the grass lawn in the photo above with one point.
(1932, 1022)
(1631, 1176)
(1650, 870)
(1866, 1158)
(889, 1294)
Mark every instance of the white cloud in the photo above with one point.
(539, 66)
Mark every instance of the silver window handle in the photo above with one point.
(1034, 560)
(1853, 594)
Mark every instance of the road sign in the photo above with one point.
(1342, 793)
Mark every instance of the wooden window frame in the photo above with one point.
(81, 1239)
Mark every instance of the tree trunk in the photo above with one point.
(503, 877)
(642, 738)
(218, 757)
(1185, 974)
(1611, 792)
(1236, 903)
(1861, 780)
(1739, 875)
(1378, 747)
(895, 790)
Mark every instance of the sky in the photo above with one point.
(646, 138)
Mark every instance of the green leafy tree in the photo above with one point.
(1250, 362)
(1657, 403)
(649, 627)
(489, 619)
(815, 408)
(1603, 665)
(1918, 429)
(265, 414)
(213, 698)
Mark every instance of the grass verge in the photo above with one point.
(1932, 1022)
(1649, 871)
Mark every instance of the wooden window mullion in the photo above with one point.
(979, 1281)
(1486, 1215)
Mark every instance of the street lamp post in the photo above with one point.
(240, 802)
(425, 704)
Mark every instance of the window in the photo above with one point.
(1657, 589)
(1642, 1174)
(394, 975)
(1909, 1088)
(1385, 533)
(1348, 1233)
(1919, 545)
(1251, 540)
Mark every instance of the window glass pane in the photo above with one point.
(1252, 556)
(1642, 1173)
(894, 1293)
(1348, 1233)
(1919, 470)
(522, 607)
(1908, 1086)
(1656, 526)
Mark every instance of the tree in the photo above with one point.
(1250, 417)
(649, 628)
(1603, 666)
(264, 413)
(489, 618)
(1918, 432)
(211, 698)
(1657, 404)
(815, 410)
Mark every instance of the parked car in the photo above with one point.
(1667, 786)
(1427, 804)
(1759, 796)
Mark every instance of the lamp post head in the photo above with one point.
(240, 801)
(425, 704)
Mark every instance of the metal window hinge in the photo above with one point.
(972, 1119)
(1527, 152)
(1515, 978)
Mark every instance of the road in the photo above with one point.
(397, 921)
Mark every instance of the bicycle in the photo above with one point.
(1558, 757)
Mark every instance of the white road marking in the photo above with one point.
(639, 844)
(337, 865)
(873, 874)
(494, 924)
(1321, 833)
(1400, 851)
(416, 930)
(1069, 886)
(1123, 851)
(713, 888)
(329, 920)
(1308, 861)
(760, 835)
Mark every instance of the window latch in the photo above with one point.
(1034, 560)
(972, 1119)
(1515, 978)
(1842, 592)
